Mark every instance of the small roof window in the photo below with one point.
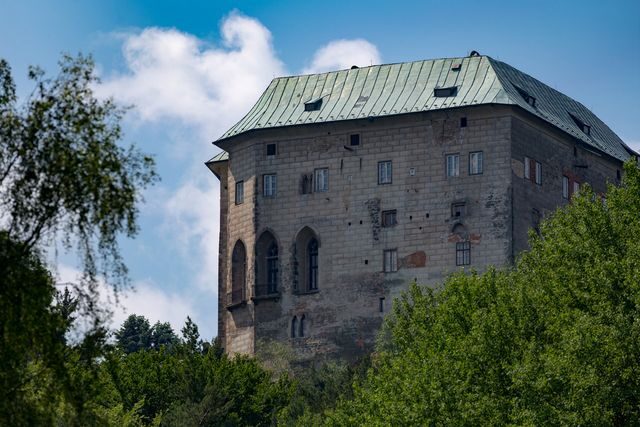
(584, 127)
(444, 92)
(313, 105)
(526, 96)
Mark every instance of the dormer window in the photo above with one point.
(313, 105)
(584, 127)
(444, 92)
(526, 96)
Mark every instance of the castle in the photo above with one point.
(339, 189)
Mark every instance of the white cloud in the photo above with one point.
(145, 298)
(174, 75)
(634, 144)
(192, 213)
(196, 91)
(342, 54)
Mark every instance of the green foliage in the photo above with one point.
(62, 171)
(134, 334)
(554, 341)
(62, 175)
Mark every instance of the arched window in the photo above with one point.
(307, 263)
(267, 265)
(312, 256)
(238, 274)
(301, 332)
(272, 268)
(294, 326)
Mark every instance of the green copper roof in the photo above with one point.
(386, 90)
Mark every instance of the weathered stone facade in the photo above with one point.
(339, 311)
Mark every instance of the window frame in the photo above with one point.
(239, 185)
(565, 187)
(527, 168)
(538, 173)
(456, 158)
(390, 264)
(312, 260)
(463, 253)
(479, 165)
(271, 144)
(266, 190)
(388, 178)
(317, 182)
(391, 212)
(273, 273)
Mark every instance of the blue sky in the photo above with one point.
(192, 69)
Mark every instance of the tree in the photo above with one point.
(134, 334)
(62, 176)
(553, 341)
(162, 335)
(62, 172)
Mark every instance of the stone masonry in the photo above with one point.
(491, 211)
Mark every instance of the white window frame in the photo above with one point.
(390, 260)
(538, 173)
(270, 185)
(476, 163)
(452, 165)
(239, 198)
(321, 180)
(385, 172)
(565, 187)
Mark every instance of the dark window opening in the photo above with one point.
(456, 67)
(389, 218)
(463, 122)
(535, 220)
(306, 184)
(355, 139)
(584, 127)
(314, 105)
(238, 274)
(463, 253)
(381, 306)
(312, 252)
(272, 268)
(271, 149)
(444, 92)
(294, 326)
(301, 332)
(458, 209)
(528, 98)
(618, 174)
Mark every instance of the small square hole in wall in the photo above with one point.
(412, 171)
(463, 122)
(272, 149)
(354, 139)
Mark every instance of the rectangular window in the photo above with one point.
(475, 163)
(463, 253)
(272, 149)
(527, 168)
(384, 172)
(453, 165)
(381, 307)
(390, 260)
(458, 209)
(389, 218)
(321, 180)
(270, 185)
(576, 187)
(538, 173)
(354, 139)
(239, 192)
(565, 187)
